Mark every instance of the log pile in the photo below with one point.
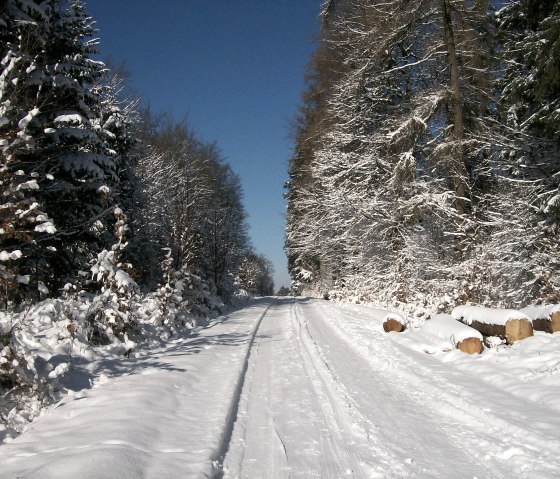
(544, 318)
(510, 324)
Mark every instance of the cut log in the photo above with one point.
(392, 324)
(518, 329)
(513, 330)
(545, 318)
(555, 321)
(461, 336)
(471, 346)
(510, 324)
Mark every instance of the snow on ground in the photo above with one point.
(163, 415)
(305, 388)
(501, 405)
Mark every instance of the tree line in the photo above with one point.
(426, 165)
(92, 182)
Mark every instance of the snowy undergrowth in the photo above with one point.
(57, 346)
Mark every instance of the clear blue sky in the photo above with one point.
(236, 67)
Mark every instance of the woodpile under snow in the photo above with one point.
(544, 318)
(461, 336)
(510, 324)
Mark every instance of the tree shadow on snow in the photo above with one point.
(83, 371)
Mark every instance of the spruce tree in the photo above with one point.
(59, 157)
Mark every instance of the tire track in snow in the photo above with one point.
(218, 457)
(331, 404)
(258, 403)
(291, 421)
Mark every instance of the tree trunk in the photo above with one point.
(458, 169)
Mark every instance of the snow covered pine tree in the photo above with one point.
(58, 164)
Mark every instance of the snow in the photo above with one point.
(163, 414)
(28, 185)
(124, 281)
(46, 227)
(391, 315)
(486, 315)
(85, 161)
(71, 118)
(296, 387)
(541, 312)
(60, 370)
(5, 256)
(22, 124)
(447, 327)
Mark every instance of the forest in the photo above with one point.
(427, 154)
(105, 206)
(138, 322)
(91, 179)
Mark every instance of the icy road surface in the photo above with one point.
(301, 388)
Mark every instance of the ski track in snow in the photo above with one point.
(293, 388)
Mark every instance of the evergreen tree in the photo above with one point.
(59, 158)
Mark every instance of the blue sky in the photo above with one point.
(236, 68)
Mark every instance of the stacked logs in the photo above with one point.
(544, 318)
(466, 327)
(510, 324)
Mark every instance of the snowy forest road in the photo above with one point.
(313, 407)
(286, 388)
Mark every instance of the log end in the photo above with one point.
(548, 325)
(518, 329)
(471, 346)
(392, 324)
(555, 322)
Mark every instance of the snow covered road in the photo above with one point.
(313, 407)
(301, 388)
(166, 415)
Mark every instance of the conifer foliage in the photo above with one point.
(58, 162)
(426, 159)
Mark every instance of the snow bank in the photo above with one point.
(483, 315)
(163, 414)
(447, 327)
(507, 396)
